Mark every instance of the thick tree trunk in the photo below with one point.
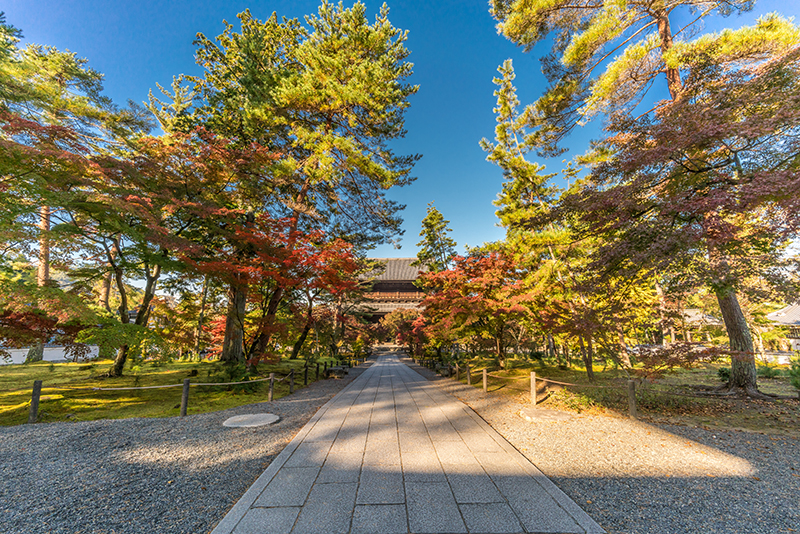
(105, 291)
(36, 353)
(233, 343)
(665, 35)
(743, 364)
(43, 271)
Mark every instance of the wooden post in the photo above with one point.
(291, 381)
(305, 375)
(533, 388)
(271, 386)
(469, 376)
(486, 381)
(185, 397)
(458, 373)
(632, 399)
(326, 366)
(35, 394)
(317, 370)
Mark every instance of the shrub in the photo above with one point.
(766, 371)
(724, 374)
(794, 373)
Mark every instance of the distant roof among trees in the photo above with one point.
(396, 269)
(788, 315)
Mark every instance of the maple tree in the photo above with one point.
(481, 293)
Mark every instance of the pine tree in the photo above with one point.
(437, 249)
(604, 60)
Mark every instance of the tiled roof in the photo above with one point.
(788, 315)
(396, 269)
(387, 307)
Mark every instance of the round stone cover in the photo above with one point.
(251, 420)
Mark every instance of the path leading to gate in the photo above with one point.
(391, 453)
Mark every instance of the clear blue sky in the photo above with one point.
(453, 43)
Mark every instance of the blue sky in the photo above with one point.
(453, 43)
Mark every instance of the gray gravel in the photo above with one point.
(174, 475)
(635, 477)
(182, 475)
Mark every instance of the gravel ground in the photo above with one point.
(182, 475)
(173, 475)
(635, 477)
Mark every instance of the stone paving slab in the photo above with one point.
(392, 453)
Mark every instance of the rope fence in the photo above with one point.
(187, 383)
(631, 385)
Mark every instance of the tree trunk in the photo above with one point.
(587, 359)
(36, 352)
(43, 271)
(141, 317)
(298, 345)
(623, 349)
(198, 331)
(743, 364)
(664, 327)
(105, 291)
(233, 343)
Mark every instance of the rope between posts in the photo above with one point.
(512, 378)
(167, 385)
(576, 385)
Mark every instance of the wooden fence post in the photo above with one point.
(185, 397)
(533, 388)
(35, 394)
(632, 412)
(291, 381)
(305, 375)
(485, 381)
(317, 370)
(469, 376)
(271, 386)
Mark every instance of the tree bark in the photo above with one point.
(142, 315)
(587, 359)
(743, 364)
(233, 343)
(43, 270)
(198, 331)
(298, 345)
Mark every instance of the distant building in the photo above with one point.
(789, 316)
(391, 289)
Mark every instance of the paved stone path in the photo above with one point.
(391, 453)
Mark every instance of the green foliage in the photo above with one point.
(724, 374)
(437, 249)
(794, 373)
(766, 371)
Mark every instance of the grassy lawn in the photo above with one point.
(67, 393)
(676, 398)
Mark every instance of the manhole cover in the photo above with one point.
(250, 420)
(544, 414)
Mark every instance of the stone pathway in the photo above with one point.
(391, 453)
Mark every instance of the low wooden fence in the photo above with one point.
(36, 393)
(455, 371)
